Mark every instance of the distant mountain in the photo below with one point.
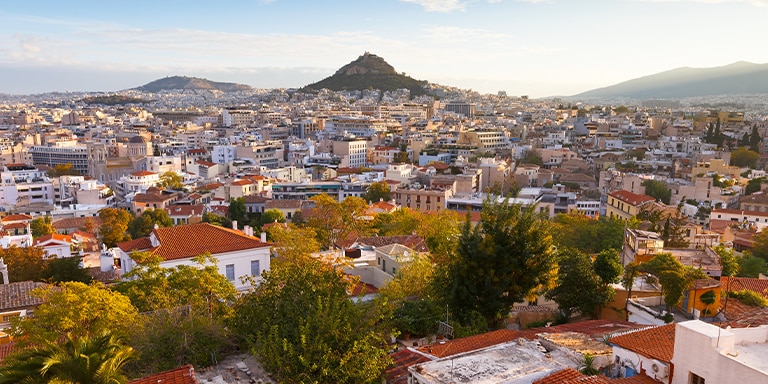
(737, 78)
(183, 82)
(369, 72)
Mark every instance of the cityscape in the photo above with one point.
(336, 218)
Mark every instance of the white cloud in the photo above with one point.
(758, 3)
(440, 5)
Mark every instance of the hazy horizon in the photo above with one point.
(524, 47)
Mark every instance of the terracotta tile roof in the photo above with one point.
(191, 240)
(655, 343)
(631, 198)
(153, 197)
(242, 182)
(198, 151)
(74, 222)
(14, 225)
(255, 199)
(83, 235)
(572, 376)
(560, 377)
(18, 217)
(398, 372)
(212, 186)
(181, 375)
(740, 283)
(6, 349)
(53, 236)
(139, 244)
(754, 318)
(205, 163)
(362, 288)
(17, 295)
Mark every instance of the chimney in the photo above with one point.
(234, 225)
(263, 237)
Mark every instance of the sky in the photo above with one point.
(538, 48)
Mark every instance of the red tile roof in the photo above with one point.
(140, 244)
(560, 377)
(655, 343)
(74, 222)
(18, 295)
(20, 217)
(740, 283)
(52, 236)
(572, 376)
(631, 198)
(181, 375)
(398, 372)
(191, 240)
(6, 349)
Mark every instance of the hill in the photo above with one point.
(737, 78)
(368, 72)
(183, 82)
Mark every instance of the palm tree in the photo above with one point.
(83, 360)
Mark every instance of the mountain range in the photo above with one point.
(737, 78)
(370, 71)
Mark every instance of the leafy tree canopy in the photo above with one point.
(75, 310)
(745, 158)
(114, 225)
(41, 226)
(143, 225)
(497, 263)
(376, 192)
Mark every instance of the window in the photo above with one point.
(695, 379)
(255, 268)
(230, 272)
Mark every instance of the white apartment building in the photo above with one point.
(223, 154)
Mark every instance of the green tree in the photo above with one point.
(84, 360)
(170, 338)
(210, 217)
(304, 328)
(376, 192)
(608, 267)
(728, 260)
(578, 288)
(41, 226)
(658, 190)
(743, 157)
(237, 211)
(673, 276)
(292, 242)
(114, 225)
(171, 180)
(754, 185)
(532, 156)
(64, 269)
(497, 263)
(335, 221)
(271, 216)
(143, 225)
(24, 263)
(586, 234)
(75, 310)
(760, 245)
(751, 266)
(151, 287)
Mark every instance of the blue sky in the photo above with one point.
(525, 47)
